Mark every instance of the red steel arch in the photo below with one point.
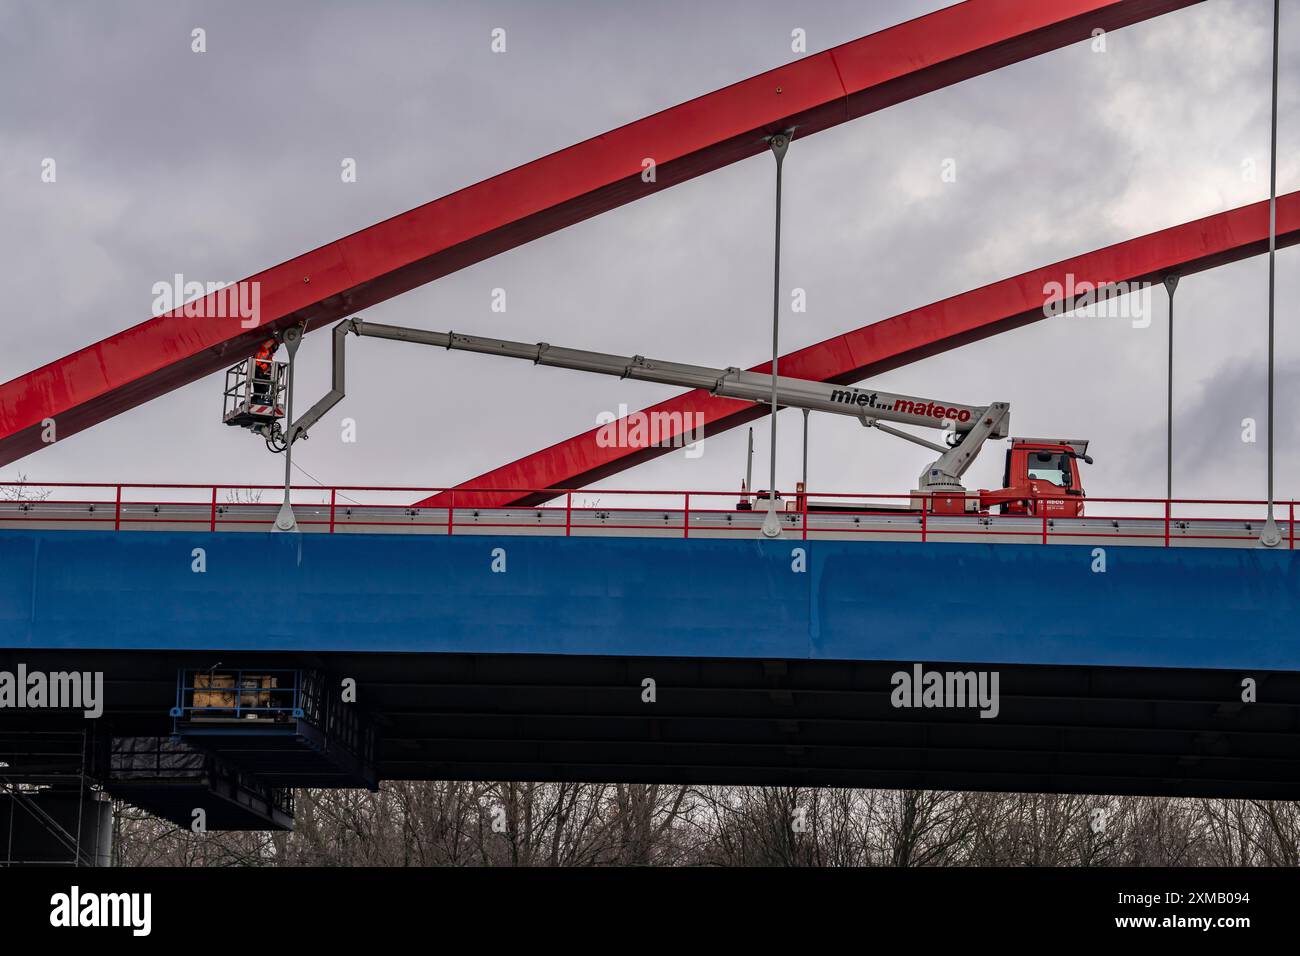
(440, 237)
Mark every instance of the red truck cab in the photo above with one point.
(1041, 476)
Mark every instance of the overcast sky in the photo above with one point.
(219, 164)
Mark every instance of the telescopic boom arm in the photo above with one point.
(969, 425)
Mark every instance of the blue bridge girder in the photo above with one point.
(517, 657)
(652, 597)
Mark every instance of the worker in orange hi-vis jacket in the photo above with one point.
(262, 372)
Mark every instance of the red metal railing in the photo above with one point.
(137, 504)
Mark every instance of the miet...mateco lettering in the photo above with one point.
(936, 410)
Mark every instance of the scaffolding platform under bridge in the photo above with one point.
(277, 724)
(173, 780)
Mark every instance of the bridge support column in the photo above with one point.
(63, 827)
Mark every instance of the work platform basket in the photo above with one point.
(255, 393)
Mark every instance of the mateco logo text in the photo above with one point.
(211, 300)
(946, 689)
(864, 399)
(1092, 300)
(651, 430)
(54, 690)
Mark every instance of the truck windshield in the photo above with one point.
(1049, 466)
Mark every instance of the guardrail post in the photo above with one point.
(805, 509)
(212, 519)
(451, 512)
(1168, 507)
(1290, 524)
(333, 495)
(568, 514)
(925, 508)
(1040, 501)
(686, 515)
(117, 510)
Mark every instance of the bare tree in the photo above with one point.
(22, 490)
(457, 823)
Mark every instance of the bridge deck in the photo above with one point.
(712, 522)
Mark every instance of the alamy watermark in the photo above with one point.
(1093, 300)
(210, 300)
(946, 689)
(25, 689)
(622, 429)
(73, 909)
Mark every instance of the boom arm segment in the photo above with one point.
(972, 424)
(863, 404)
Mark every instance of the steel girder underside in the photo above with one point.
(772, 722)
